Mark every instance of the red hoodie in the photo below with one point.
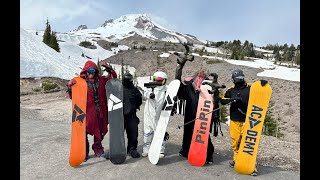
(97, 126)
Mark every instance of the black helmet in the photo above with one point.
(237, 76)
(127, 76)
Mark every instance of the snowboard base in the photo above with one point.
(257, 108)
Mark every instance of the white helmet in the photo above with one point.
(160, 76)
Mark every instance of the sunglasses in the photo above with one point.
(159, 79)
(91, 71)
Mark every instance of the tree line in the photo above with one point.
(50, 38)
(240, 51)
(284, 52)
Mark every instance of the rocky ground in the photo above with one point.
(273, 152)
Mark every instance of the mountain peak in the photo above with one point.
(81, 27)
(140, 21)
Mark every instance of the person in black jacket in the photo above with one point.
(213, 82)
(189, 91)
(132, 99)
(238, 96)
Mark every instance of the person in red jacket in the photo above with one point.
(97, 114)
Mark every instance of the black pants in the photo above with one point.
(131, 122)
(187, 137)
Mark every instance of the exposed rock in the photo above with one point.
(106, 22)
(81, 27)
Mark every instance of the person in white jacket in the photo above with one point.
(155, 99)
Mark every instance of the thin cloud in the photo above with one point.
(33, 13)
(162, 21)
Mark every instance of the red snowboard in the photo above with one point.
(198, 149)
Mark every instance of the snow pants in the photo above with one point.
(148, 133)
(96, 146)
(131, 122)
(236, 130)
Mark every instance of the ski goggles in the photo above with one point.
(159, 79)
(91, 71)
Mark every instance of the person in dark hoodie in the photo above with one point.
(189, 91)
(132, 100)
(96, 115)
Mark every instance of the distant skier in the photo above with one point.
(96, 116)
(152, 110)
(239, 94)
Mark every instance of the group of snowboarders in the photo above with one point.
(97, 119)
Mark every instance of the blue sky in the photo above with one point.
(261, 22)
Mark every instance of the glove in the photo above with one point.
(107, 66)
(175, 98)
(152, 96)
(211, 91)
(181, 60)
(263, 82)
(72, 82)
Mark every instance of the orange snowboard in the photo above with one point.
(198, 149)
(78, 130)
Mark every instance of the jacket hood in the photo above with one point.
(89, 64)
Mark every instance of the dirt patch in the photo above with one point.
(34, 85)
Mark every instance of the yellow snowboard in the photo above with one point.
(257, 108)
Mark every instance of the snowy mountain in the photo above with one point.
(39, 60)
(141, 24)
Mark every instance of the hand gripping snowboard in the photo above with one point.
(155, 147)
(117, 147)
(198, 149)
(78, 126)
(257, 107)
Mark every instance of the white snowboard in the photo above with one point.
(155, 147)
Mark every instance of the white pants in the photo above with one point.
(148, 136)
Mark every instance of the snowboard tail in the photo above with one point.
(155, 147)
(198, 149)
(78, 125)
(257, 108)
(117, 147)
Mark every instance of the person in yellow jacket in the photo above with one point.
(238, 96)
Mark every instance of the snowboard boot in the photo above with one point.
(231, 163)
(183, 154)
(134, 153)
(209, 160)
(86, 159)
(144, 154)
(255, 173)
(105, 155)
(161, 155)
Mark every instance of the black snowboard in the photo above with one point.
(117, 147)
